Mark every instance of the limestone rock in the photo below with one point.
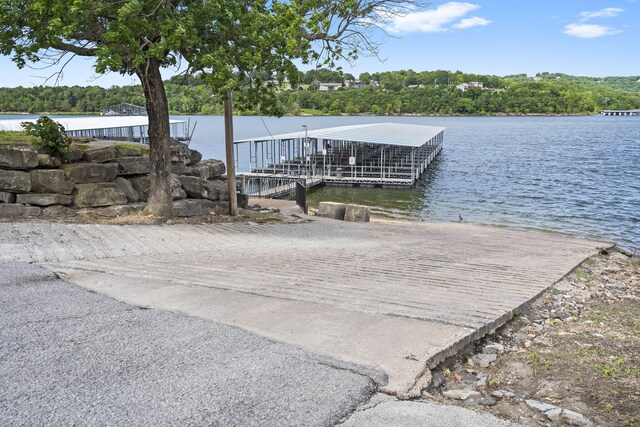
(127, 189)
(207, 169)
(191, 207)
(133, 165)
(194, 156)
(99, 155)
(7, 197)
(141, 185)
(31, 211)
(44, 199)
(18, 157)
(119, 210)
(11, 210)
(180, 153)
(99, 194)
(50, 181)
(75, 154)
(15, 181)
(128, 152)
(177, 192)
(179, 168)
(195, 187)
(57, 211)
(461, 394)
(484, 360)
(47, 161)
(332, 210)
(493, 348)
(87, 173)
(218, 190)
(357, 213)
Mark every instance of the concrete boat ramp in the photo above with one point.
(394, 298)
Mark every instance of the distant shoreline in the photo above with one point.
(68, 113)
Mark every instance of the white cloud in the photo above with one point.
(435, 20)
(474, 21)
(589, 31)
(608, 12)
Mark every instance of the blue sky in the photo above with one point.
(581, 37)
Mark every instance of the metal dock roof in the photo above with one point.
(398, 134)
(72, 124)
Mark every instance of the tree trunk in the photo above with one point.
(160, 201)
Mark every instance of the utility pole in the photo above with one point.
(231, 169)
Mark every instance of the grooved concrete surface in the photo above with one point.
(393, 297)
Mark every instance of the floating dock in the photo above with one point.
(119, 128)
(375, 155)
(620, 112)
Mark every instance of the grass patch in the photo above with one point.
(13, 137)
(144, 148)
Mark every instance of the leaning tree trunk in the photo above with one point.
(160, 199)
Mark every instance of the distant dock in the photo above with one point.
(620, 112)
(372, 155)
(117, 128)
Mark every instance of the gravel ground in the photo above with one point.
(572, 359)
(72, 357)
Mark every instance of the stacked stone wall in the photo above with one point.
(105, 179)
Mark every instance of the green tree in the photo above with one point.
(230, 42)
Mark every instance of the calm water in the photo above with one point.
(575, 175)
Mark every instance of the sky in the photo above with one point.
(500, 37)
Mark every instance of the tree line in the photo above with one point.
(394, 92)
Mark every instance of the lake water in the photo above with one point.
(574, 175)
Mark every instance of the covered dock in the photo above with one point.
(620, 112)
(380, 154)
(120, 128)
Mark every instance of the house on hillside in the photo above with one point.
(465, 86)
(329, 86)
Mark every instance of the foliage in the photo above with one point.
(188, 94)
(49, 135)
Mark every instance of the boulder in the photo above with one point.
(47, 161)
(100, 154)
(126, 187)
(44, 199)
(176, 188)
(118, 210)
(86, 173)
(15, 181)
(50, 181)
(332, 210)
(128, 152)
(31, 211)
(191, 207)
(195, 187)
(133, 165)
(18, 157)
(194, 156)
(207, 169)
(218, 190)
(357, 213)
(57, 211)
(99, 194)
(7, 197)
(180, 153)
(75, 154)
(11, 210)
(179, 168)
(141, 185)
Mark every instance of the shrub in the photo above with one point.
(49, 135)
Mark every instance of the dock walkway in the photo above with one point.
(394, 298)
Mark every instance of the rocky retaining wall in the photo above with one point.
(104, 178)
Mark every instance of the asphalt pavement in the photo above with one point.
(69, 356)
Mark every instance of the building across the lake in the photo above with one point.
(380, 154)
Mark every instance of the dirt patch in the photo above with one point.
(573, 358)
